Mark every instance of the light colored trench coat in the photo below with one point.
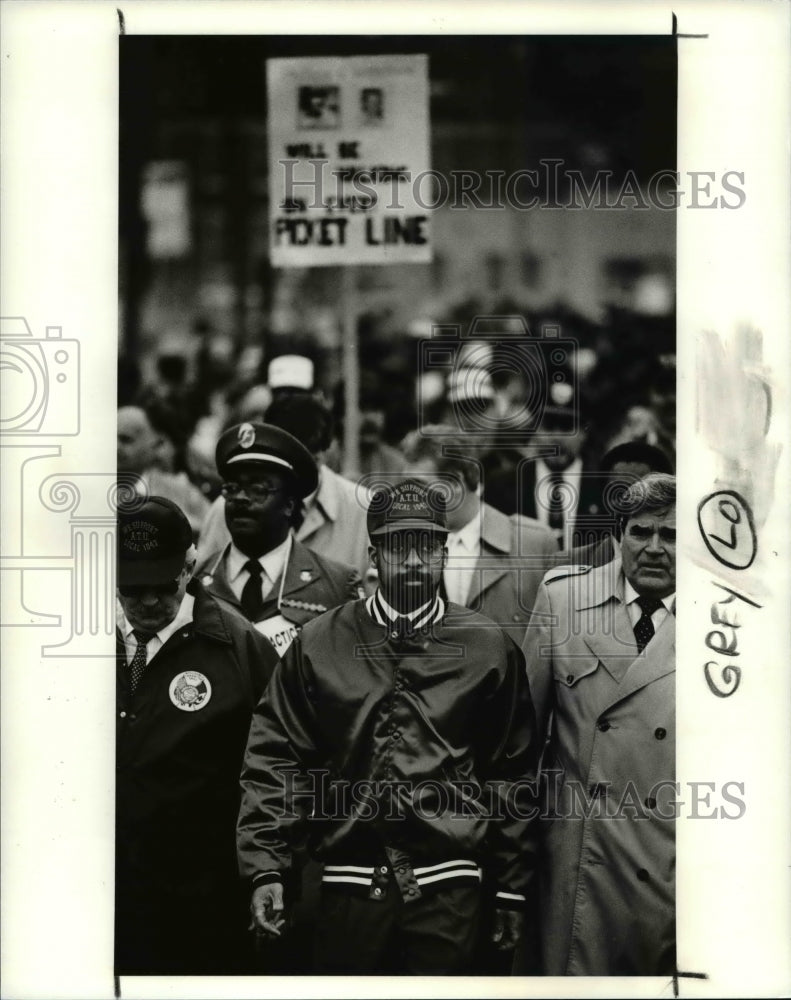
(608, 881)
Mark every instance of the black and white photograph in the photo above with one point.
(343, 551)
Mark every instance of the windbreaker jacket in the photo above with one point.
(608, 871)
(178, 761)
(401, 749)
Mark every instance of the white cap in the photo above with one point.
(469, 383)
(291, 371)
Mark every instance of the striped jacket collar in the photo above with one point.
(430, 614)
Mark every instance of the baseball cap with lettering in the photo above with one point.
(153, 538)
(407, 504)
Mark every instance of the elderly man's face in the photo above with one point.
(153, 607)
(648, 550)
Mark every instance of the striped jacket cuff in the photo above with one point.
(509, 900)
(266, 878)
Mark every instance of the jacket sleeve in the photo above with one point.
(277, 784)
(508, 759)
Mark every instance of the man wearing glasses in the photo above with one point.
(189, 672)
(405, 747)
(273, 579)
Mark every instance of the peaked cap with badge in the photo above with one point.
(267, 445)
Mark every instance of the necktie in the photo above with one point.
(138, 663)
(252, 598)
(644, 627)
(555, 496)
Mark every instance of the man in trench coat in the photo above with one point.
(600, 652)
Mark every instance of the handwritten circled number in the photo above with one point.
(727, 527)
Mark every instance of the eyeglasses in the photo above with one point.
(160, 589)
(255, 491)
(396, 547)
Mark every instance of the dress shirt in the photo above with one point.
(572, 480)
(272, 563)
(630, 596)
(183, 617)
(464, 550)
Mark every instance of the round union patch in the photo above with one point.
(190, 691)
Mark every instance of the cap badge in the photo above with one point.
(139, 536)
(190, 691)
(246, 435)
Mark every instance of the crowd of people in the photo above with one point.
(418, 722)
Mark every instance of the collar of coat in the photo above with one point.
(381, 612)
(208, 618)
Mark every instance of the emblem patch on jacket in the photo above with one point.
(190, 691)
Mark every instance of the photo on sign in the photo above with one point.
(318, 107)
(372, 106)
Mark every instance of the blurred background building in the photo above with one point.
(202, 312)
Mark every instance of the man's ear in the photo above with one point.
(373, 555)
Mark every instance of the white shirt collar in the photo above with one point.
(573, 471)
(469, 536)
(630, 595)
(272, 562)
(183, 617)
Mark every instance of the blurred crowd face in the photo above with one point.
(152, 608)
(648, 551)
(410, 565)
(568, 447)
(259, 508)
(138, 443)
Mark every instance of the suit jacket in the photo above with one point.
(510, 486)
(608, 892)
(516, 551)
(312, 586)
(334, 525)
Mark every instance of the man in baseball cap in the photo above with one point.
(388, 694)
(189, 672)
(273, 579)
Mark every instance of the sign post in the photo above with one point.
(348, 178)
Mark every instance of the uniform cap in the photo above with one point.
(267, 445)
(407, 504)
(290, 371)
(153, 538)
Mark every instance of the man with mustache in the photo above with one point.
(600, 653)
(404, 746)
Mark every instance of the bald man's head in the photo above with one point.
(138, 442)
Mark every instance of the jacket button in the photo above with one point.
(642, 875)
(603, 727)
(569, 678)
(650, 802)
(396, 735)
(377, 891)
(660, 733)
(383, 870)
(123, 715)
(394, 635)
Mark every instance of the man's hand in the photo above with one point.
(508, 927)
(266, 908)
